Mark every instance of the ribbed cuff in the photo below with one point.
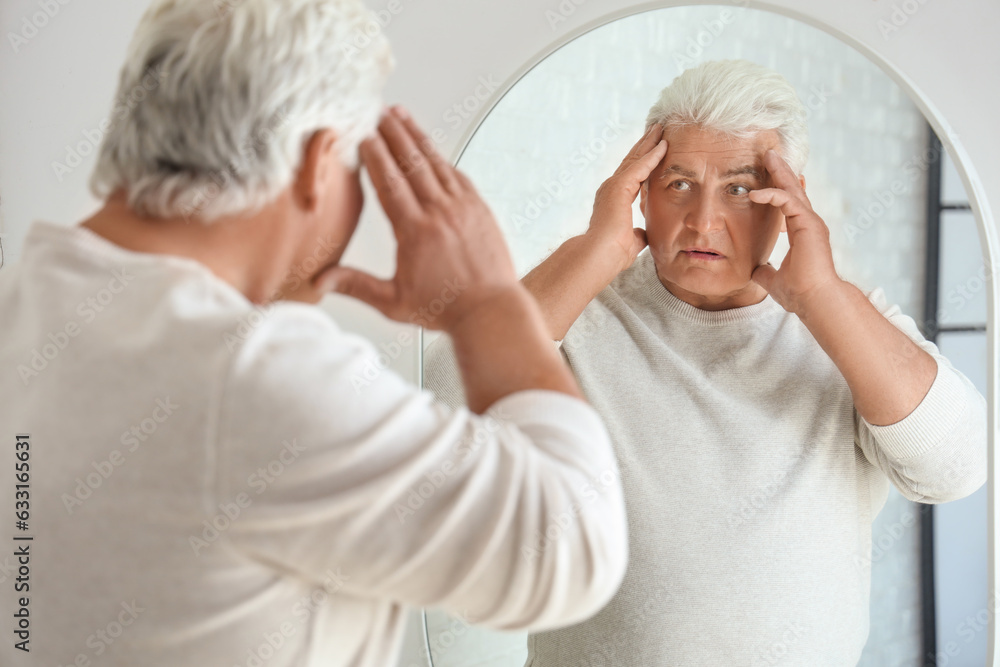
(945, 404)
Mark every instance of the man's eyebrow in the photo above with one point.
(677, 169)
(745, 169)
(735, 171)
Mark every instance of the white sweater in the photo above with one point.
(214, 483)
(751, 482)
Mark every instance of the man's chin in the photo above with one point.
(696, 280)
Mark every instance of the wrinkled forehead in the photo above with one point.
(692, 150)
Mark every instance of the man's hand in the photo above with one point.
(581, 267)
(453, 271)
(807, 269)
(863, 343)
(451, 255)
(611, 221)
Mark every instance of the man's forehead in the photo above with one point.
(692, 148)
(698, 137)
(745, 165)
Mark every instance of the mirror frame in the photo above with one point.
(901, 43)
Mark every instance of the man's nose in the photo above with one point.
(705, 213)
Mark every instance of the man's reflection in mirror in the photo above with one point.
(759, 413)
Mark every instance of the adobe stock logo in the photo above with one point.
(132, 439)
(38, 20)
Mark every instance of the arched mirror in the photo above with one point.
(899, 219)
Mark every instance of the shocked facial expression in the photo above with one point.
(704, 233)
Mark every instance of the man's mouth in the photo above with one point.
(703, 254)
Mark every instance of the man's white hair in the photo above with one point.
(217, 100)
(738, 98)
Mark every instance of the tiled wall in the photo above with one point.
(541, 153)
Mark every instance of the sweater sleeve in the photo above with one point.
(442, 375)
(937, 453)
(513, 519)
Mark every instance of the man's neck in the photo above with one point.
(240, 252)
(748, 296)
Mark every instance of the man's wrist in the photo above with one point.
(487, 305)
(605, 252)
(825, 300)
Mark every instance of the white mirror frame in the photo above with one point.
(451, 52)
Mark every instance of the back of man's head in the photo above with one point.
(216, 100)
(739, 98)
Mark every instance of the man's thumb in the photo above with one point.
(638, 241)
(379, 294)
(763, 275)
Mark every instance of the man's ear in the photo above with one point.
(642, 197)
(318, 158)
(802, 180)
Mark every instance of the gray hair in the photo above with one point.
(231, 92)
(737, 98)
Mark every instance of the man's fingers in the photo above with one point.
(763, 275)
(780, 199)
(465, 181)
(413, 162)
(631, 179)
(782, 175)
(378, 293)
(444, 170)
(640, 241)
(647, 142)
(779, 169)
(628, 182)
(643, 166)
(393, 189)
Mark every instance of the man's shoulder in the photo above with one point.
(278, 323)
(612, 312)
(630, 289)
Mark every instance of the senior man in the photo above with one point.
(758, 414)
(201, 477)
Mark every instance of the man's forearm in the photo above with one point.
(569, 279)
(502, 347)
(888, 373)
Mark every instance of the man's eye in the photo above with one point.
(677, 185)
(739, 190)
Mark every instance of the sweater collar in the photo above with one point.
(92, 245)
(663, 298)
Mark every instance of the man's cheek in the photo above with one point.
(764, 242)
(759, 256)
(654, 240)
(658, 228)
